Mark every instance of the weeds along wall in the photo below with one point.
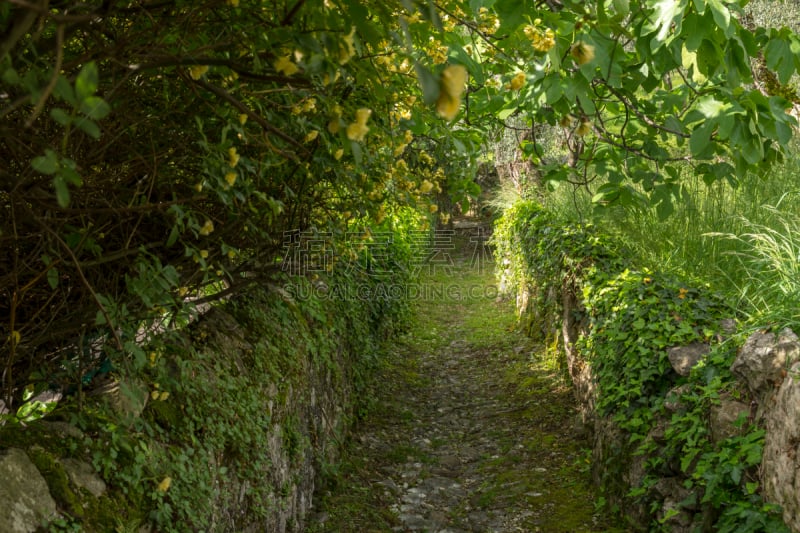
(676, 439)
(230, 422)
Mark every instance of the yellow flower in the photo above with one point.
(338, 154)
(358, 129)
(164, 395)
(582, 52)
(285, 66)
(517, 81)
(204, 254)
(207, 228)
(311, 136)
(566, 120)
(425, 187)
(230, 178)
(197, 71)
(233, 157)
(233, 3)
(452, 83)
(584, 128)
(433, 208)
(165, 484)
(242, 118)
(231, 254)
(199, 187)
(408, 136)
(348, 50)
(154, 395)
(182, 291)
(682, 293)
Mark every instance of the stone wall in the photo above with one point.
(186, 471)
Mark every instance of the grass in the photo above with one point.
(743, 241)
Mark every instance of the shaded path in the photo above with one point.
(472, 428)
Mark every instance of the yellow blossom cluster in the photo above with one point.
(543, 40)
(306, 106)
(233, 157)
(358, 129)
(335, 123)
(488, 22)
(517, 82)
(451, 85)
(413, 19)
(347, 51)
(439, 53)
(582, 52)
(285, 66)
(207, 229)
(400, 148)
(583, 128)
(196, 71)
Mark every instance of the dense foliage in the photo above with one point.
(629, 318)
(159, 149)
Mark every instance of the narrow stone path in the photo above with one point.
(471, 427)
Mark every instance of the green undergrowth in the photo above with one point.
(627, 317)
(225, 397)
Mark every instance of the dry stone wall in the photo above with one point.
(677, 429)
(230, 468)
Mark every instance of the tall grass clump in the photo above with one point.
(768, 256)
(741, 235)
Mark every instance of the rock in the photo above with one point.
(83, 475)
(763, 359)
(683, 358)
(24, 493)
(673, 402)
(723, 418)
(781, 459)
(62, 428)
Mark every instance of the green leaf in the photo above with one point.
(511, 13)
(52, 278)
(87, 81)
(64, 91)
(667, 12)
(710, 107)
(88, 126)
(61, 116)
(505, 113)
(722, 16)
(10, 76)
(700, 140)
(47, 163)
(428, 82)
(62, 192)
(95, 107)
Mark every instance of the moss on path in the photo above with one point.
(470, 428)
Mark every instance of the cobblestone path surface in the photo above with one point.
(471, 428)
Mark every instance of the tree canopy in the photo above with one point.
(154, 148)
